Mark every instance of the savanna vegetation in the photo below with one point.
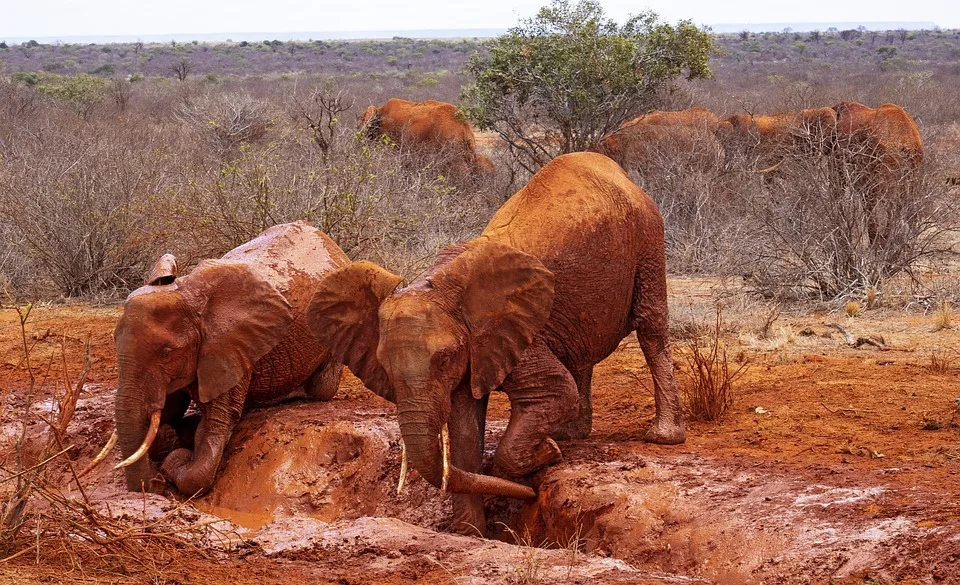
(111, 155)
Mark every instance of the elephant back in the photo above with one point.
(293, 257)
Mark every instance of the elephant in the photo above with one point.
(761, 143)
(229, 335)
(665, 137)
(431, 128)
(565, 269)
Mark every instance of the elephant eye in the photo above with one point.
(166, 350)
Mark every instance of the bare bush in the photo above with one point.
(830, 228)
(81, 207)
(710, 390)
(227, 120)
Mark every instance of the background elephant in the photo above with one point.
(230, 334)
(661, 139)
(763, 142)
(568, 266)
(429, 127)
(878, 154)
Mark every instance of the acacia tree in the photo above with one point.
(562, 80)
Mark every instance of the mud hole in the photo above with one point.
(836, 465)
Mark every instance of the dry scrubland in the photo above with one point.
(835, 463)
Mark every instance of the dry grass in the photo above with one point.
(852, 309)
(711, 387)
(943, 318)
(941, 362)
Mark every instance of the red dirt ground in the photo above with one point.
(835, 465)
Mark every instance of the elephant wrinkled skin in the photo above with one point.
(429, 127)
(568, 266)
(229, 335)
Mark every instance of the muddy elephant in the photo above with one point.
(229, 335)
(568, 266)
(658, 139)
(762, 143)
(430, 128)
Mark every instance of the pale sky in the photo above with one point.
(51, 18)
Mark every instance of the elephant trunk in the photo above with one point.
(420, 426)
(134, 415)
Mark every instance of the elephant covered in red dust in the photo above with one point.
(428, 128)
(661, 138)
(569, 266)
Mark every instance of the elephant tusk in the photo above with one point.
(403, 466)
(147, 441)
(445, 445)
(111, 443)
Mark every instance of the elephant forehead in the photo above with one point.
(159, 316)
(416, 320)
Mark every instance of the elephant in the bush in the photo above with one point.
(429, 128)
(569, 266)
(878, 153)
(229, 335)
(661, 138)
(762, 143)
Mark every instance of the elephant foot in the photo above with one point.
(665, 433)
(179, 466)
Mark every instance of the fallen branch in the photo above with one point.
(856, 342)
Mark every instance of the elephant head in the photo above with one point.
(206, 329)
(466, 322)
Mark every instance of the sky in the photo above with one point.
(53, 18)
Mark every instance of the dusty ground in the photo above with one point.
(835, 465)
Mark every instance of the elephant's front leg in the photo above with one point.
(193, 472)
(543, 395)
(467, 424)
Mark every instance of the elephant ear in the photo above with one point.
(343, 315)
(164, 271)
(507, 298)
(242, 318)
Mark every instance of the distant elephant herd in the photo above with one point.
(566, 268)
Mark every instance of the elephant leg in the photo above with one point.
(467, 426)
(650, 321)
(193, 472)
(543, 395)
(579, 427)
(324, 382)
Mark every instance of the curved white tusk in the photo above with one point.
(445, 445)
(147, 441)
(403, 466)
(111, 443)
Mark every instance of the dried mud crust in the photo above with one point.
(848, 471)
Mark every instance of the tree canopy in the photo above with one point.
(562, 80)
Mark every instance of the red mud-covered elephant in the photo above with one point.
(568, 266)
(229, 335)
(429, 128)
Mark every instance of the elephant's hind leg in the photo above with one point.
(543, 395)
(579, 427)
(650, 320)
(324, 382)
